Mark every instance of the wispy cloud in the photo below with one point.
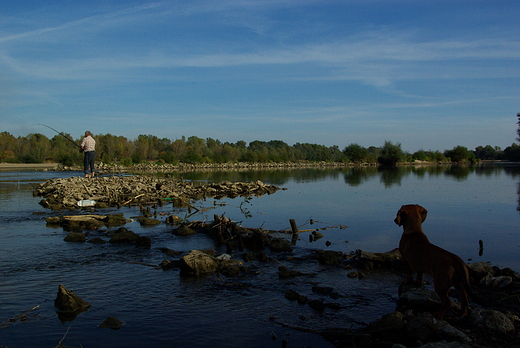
(376, 55)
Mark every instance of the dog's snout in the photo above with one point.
(397, 219)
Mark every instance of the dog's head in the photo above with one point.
(410, 211)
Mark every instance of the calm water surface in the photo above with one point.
(354, 207)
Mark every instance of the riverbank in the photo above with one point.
(103, 168)
(29, 166)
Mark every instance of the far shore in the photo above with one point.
(28, 166)
(205, 166)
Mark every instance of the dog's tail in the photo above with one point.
(462, 271)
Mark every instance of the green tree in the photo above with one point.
(487, 153)
(356, 153)
(460, 154)
(8, 147)
(35, 148)
(518, 130)
(436, 156)
(391, 154)
(512, 153)
(64, 152)
(420, 155)
(146, 148)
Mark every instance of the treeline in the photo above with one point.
(37, 148)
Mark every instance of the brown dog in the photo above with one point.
(421, 256)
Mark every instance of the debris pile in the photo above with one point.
(109, 191)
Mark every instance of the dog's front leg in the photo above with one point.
(409, 273)
(419, 280)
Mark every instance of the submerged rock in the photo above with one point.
(124, 235)
(280, 245)
(78, 223)
(183, 231)
(96, 240)
(75, 237)
(284, 272)
(144, 221)
(143, 242)
(112, 323)
(330, 257)
(292, 295)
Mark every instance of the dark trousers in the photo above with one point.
(88, 164)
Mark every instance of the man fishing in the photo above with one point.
(88, 146)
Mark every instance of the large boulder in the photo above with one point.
(418, 297)
(491, 320)
(368, 260)
(421, 327)
(478, 270)
(197, 263)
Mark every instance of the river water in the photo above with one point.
(354, 208)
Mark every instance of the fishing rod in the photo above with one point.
(60, 133)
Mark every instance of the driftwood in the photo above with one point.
(20, 317)
(84, 217)
(63, 338)
(131, 199)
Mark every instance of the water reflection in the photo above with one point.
(359, 176)
(518, 192)
(355, 176)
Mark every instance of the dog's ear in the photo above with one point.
(424, 212)
(397, 219)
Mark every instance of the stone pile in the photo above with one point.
(107, 191)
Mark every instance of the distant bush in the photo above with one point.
(391, 154)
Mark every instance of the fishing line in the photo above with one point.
(60, 133)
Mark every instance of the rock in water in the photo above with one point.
(112, 323)
(67, 302)
(197, 263)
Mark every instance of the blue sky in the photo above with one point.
(427, 74)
